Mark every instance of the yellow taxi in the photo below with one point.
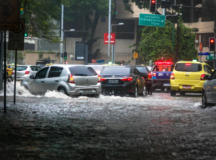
(188, 76)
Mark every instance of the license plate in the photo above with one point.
(112, 81)
(186, 87)
(166, 84)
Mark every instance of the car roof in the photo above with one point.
(192, 62)
(119, 66)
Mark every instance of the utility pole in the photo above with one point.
(62, 32)
(109, 30)
(177, 41)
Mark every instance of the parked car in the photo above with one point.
(72, 80)
(121, 80)
(188, 76)
(98, 68)
(209, 90)
(25, 71)
(144, 71)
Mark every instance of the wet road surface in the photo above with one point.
(55, 126)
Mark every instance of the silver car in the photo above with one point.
(73, 80)
(25, 71)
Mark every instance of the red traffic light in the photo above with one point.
(153, 1)
(212, 40)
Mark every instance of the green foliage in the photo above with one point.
(187, 50)
(38, 18)
(20, 56)
(156, 42)
(40, 55)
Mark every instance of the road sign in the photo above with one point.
(209, 58)
(152, 20)
(16, 37)
(106, 38)
(200, 47)
(9, 14)
(135, 55)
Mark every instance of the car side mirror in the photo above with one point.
(207, 77)
(32, 77)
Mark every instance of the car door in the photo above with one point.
(141, 81)
(37, 84)
(138, 80)
(52, 80)
(212, 82)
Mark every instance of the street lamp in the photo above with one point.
(113, 46)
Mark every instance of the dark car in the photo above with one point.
(122, 80)
(144, 71)
(209, 90)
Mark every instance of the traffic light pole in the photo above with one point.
(62, 32)
(213, 13)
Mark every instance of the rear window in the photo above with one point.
(163, 68)
(21, 68)
(115, 71)
(142, 69)
(188, 67)
(82, 71)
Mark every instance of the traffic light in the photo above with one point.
(65, 55)
(62, 55)
(212, 44)
(25, 34)
(152, 7)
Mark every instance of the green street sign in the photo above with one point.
(152, 20)
(209, 58)
(211, 55)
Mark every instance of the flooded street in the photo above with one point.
(55, 126)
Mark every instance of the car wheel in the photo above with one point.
(144, 91)
(182, 93)
(204, 100)
(172, 93)
(62, 90)
(136, 92)
(97, 95)
(26, 87)
(10, 79)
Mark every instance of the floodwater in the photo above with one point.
(55, 126)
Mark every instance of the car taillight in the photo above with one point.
(149, 75)
(7, 69)
(154, 74)
(12, 72)
(70, 79)
(103, 79)
(27, 72)
(172, 76)
(202, 77)
(127, 79)
(99, 78)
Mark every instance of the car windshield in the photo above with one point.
(188, 67)
(97, 68)
(142, 69)
(82, 71)
(21, 68)
(115, 71)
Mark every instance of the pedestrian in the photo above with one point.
(122, 63)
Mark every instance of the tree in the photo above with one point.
(38, 16)
(156, 42)
(84, 15)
